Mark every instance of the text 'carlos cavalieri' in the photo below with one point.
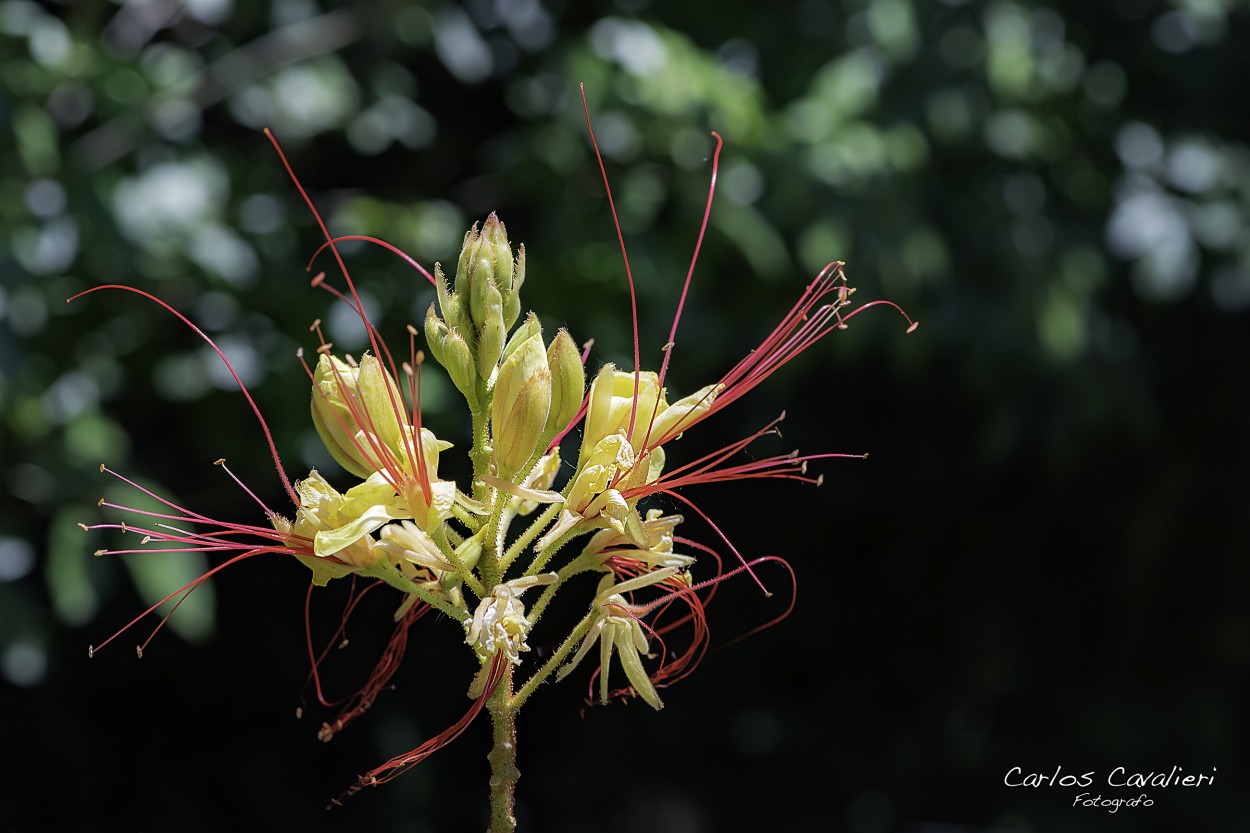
(1120, 777)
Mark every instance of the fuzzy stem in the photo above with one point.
(490, 565)
(480, 452)
(503, 770)
(566, 648)
(526, 538)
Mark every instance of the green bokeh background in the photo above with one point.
(1042, 564)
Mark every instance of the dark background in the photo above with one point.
(1042, 564)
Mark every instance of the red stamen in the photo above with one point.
(629, 275)
(393, 249)
(401, 763)
(273, 448)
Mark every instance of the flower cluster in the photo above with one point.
(471, 550)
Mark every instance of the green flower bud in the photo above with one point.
(356, 409)
(512, 296)
(523, 333)
(435, 332)
(333, 399)
(518, 272)
(498, 252)
(522, 401)
(568, 382)
(384, 415)
(450, 304)
(458, 360)
(491, 337)
(485, 299)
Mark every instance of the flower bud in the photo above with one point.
(451, 304)
(333, 401)
(512, 296)
(383, 405)
(498, 251)
(568, 383)
(522, 334)
(490, 337)
(522, 400)
(356, 408)
(435, 332)
(458, 361)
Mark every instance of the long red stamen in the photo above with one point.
(685, 288)
(273, 448)
(188, 589)
(629, 275)
(382, 673)
(390, 247)
(721, 535)
(374, 339)
(401, 763)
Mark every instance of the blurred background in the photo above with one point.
(1042, 563)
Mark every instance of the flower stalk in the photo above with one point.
(389, 519)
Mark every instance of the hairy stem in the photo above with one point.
(527, 537)
(551, 664)
(503, 770)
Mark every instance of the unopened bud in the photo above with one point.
(522, 401)
(518, 270)
(530, 327)
(458, 360)
(490, 339)
(498, 251)
(384, 412)
(334, 402)
(568, 383)
(451, 304)
(512, 296)
(485, 299)
(435, 332)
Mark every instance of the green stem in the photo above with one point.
(480, 453)
(581, 564)
(531, 532)
(503, 770)
(551, 664)
(543, 557)
(461, 571)
(394, 579)
(491, 563)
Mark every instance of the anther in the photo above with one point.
(100, 502)
(913, 326)
(101, 468)
(83, 527)
(147, 539)
(412, 331)
(325, 348)
(90, 652)
(408, 369)
(220, 461)
(312, 328)
(317, 281)
(667, 347)
(100, 552)
(820, 480)
(139, 651)
(299, 712)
